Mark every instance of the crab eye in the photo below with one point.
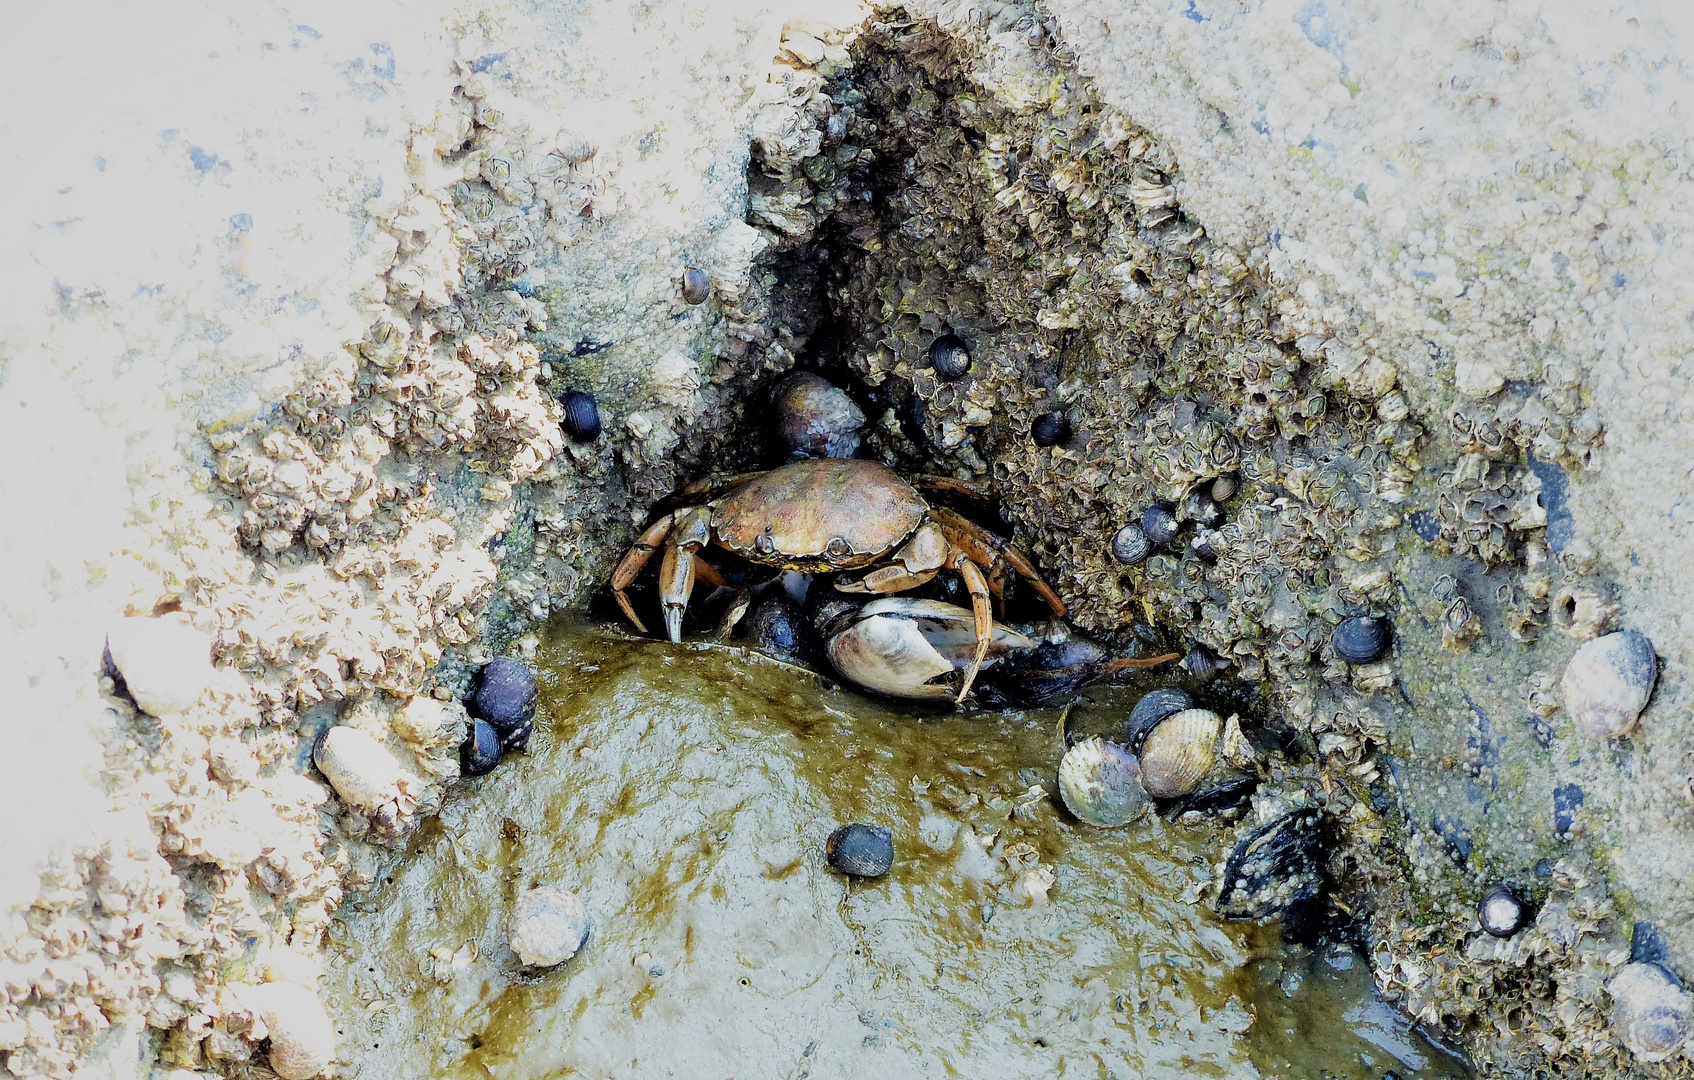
(765, 543)
(839, 549)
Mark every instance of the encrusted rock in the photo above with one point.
(302, 1036)
(165, 664)
(547, 926)
(359, 768)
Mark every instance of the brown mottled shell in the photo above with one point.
(1179, 753)
(818, 516)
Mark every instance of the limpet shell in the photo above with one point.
(1100, 782)
(1179, 752)
(1651, 1013)
(1608, 683)
(301, 1034)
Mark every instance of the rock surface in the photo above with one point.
(302, 1037)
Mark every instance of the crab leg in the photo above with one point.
(689, 533)
(977, 586)
(970, 489)
(986, 549)
(709, 488)
(634, 559)
(915, 563)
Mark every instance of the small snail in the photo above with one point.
(865, 851)
(949, 357)
(1363, 639)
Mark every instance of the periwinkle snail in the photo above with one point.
(505, 696)
(865, 851)
(696, 286)
(949, 357)
(1159, 525)
(1050, 429)
(1130, 546)
(1363, 639)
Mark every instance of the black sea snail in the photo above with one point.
(1159, 525)
(1363, 639)
(1050, 429)
(1500, 912)
(582, 416)
(505, 697)
(481, 752)
(860, 850)
(949, 356)
(696, 286)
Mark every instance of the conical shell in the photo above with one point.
(1179, 753)
(1100, 783)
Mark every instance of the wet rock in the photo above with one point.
(302, 1037)
(814, 418)
(860, 850)
(505, 696)
(1608, 683)
(1650, 1012)
(1100, 782)
(1567, 799)
(548, 925)
(359, 768)
(165, 664)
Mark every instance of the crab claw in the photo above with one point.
(673, 621)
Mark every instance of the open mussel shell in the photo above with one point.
(908, 648)
(1276, 871)
(1100, 782)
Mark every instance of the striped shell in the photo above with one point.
(1180, 752)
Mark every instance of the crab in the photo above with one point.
(831, 516)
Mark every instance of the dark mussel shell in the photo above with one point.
(949, 356)
(696, 286)
(778, 626)
(1153, 707)
(1362, 639)
(1050, 429)
(1050, 674)
(1225, 790)
(1276, 871)
(860, 850)
(1130, 546)
(582, 416)
(1159, 525)
(481, 750)
(504, 695)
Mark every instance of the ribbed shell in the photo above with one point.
(1151, 710)
(1101, 784)
(906, 648)
(1179, 752)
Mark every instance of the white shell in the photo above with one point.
(572, 148)
(1100, 783)
(302, 1037)
(360, 769)
(1651, 1014)
(900, 647)
(165, 664)
(1180, 752)
(1608, 682)
(547, 926)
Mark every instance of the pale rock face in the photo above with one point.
(547, 926)
(360, 769)
(302, 1037)
(165, 664)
